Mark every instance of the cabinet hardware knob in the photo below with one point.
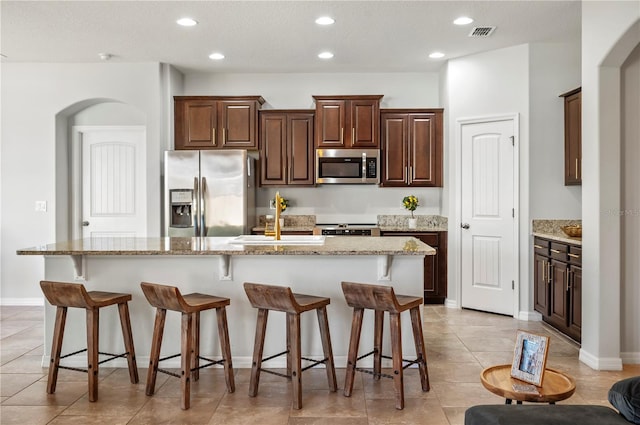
(465, 225)
(85, 223)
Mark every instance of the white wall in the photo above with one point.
(491, 83)
(333, 203)
(610, 31)
(33, 95)
(554, 69)
(630, 282)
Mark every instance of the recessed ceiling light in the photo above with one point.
(325, 55)
(216, 56)
(187, 22)
(436, 55)
(463, 20)
(325, 20)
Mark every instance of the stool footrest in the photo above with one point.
(168, 372)
(76, 369)
(111, 357)
(283, 375)
(211, 363)
(370, 372)
(314, 363)
(275, 355)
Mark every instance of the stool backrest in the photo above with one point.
(64, 294)
(164, 296)
(271, 297)
(376, 297)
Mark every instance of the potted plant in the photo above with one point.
(284, 203)
(411, 203)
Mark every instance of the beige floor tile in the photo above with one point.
(12, 383)
(488, 343)
(455, 415)
(443, 353)
(463, 394)
(455, 372)
(90, 420)
(36, 395)
(319, 403)
(24, 364)
(228, 415)
(167, 410)
(112, 401)
(383, 387)
(16, 326)
(416, 411)
(492, 358)
(32, 415)
(269, 395)
(326, 420)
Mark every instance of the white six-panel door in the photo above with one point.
(113, 181)
(488, 252)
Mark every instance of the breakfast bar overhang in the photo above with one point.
(215, 266)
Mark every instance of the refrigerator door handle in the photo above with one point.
(203, 207)
(194, 202)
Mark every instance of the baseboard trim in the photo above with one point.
(630, 357)
(21, 301)
(451, 303)
(530, 316)
(600, 363)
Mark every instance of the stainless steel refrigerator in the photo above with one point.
(208, 193)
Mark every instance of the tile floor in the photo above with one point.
(459, 345)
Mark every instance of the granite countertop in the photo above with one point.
(334, 245)
(552, 229)
(400, 223)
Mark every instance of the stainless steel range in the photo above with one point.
(347, 230)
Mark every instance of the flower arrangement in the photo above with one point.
(284, 203)
(410, 203)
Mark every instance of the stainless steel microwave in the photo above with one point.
(347, 166)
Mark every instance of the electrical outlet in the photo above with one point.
(41, 206)
(272, 204)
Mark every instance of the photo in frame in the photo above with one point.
(530, 357)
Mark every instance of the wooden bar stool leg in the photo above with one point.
(56, 348)
(225, 347)
(354, 342)
(377, 343)
(195, 348)
(293, 322)
(421, 353)
(93, 318)
(323, 321)
(125, 323)
(186, 342)
(156, 344)
(288, 343)
(396, 350)
(258, 345)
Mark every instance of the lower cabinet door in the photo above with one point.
(559, 300)
(541, 285)
(575, 303)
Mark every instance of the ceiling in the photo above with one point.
(276, 36)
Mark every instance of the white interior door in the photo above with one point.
(488, 235)
(113, 181)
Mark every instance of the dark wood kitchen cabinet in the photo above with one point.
(286, 147)
(435, 266)
(572, 137)
(348, 122)
(558, 285)
(216, 122)
(411, 147)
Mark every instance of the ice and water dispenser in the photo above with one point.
(182, 208)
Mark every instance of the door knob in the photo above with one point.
(465, 225)
(85, 223)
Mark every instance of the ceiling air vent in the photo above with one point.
(481, 31)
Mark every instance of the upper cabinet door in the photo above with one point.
(300, 148)
(364, 123)
(195, 124)
(572, 137)
(273, 142)
(425, 150)
(238, 119)
(330, 123)
(394, 148)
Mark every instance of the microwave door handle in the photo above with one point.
(364, 167)
(203, 208)
(194, 203)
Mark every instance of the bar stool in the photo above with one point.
(163, 298)
(63, 295)
(281, 298)
(382, 299)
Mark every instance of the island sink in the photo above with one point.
(284, 240)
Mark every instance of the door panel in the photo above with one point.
(300, 128)
(394, 168)
(238, 124)
(488, 254)
(113, 182)
(330, 123)
(273, 139)
(422, 154)
(364, 124)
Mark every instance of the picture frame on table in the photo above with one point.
(530, 357)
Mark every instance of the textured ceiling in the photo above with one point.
(276, 36)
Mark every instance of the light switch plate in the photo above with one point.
(41, 206)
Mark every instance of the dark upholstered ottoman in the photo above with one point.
(543, 414)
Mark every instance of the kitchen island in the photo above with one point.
(213, 265)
